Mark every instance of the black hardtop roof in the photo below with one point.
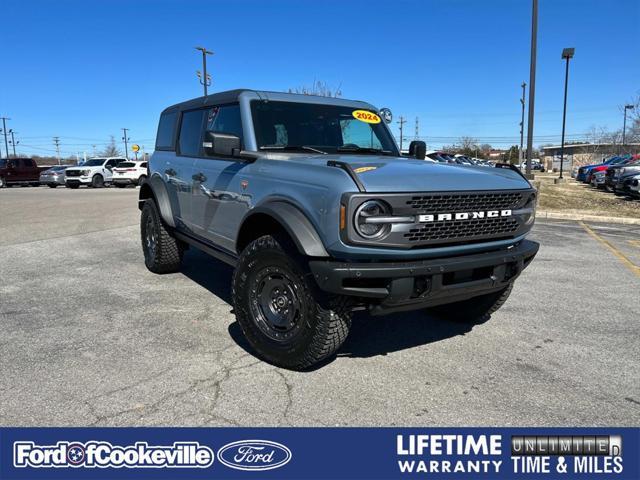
(231, 96)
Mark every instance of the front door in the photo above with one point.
(219, 203)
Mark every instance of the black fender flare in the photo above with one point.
(296, 224)
(155, 188)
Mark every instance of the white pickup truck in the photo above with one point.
(95, 172)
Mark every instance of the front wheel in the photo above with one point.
(97, 181)
(279, 309)
(473, 310)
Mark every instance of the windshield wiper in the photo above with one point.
(292, 147)
(364, 150)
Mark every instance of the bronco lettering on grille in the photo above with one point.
(443, 217)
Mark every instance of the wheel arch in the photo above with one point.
(281, 216)
(154, 189)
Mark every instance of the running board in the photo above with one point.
(226, 257)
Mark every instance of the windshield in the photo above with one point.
(320, 129)
(94, 162)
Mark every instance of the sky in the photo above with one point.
(82, 70)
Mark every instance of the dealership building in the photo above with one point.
(583, 154)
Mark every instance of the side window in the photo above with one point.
(27, 162)
(111, 163)
(225, 119)
(166, 129)
(143, 165)
(189, 141)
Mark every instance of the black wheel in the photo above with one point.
(73, 185)
(3, 183)
(141, 181)
(53, 185)
(162, 252)
(474, 310)
(119, 185)
(283, 316)
(97, 181)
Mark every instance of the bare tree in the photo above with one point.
(111, 150)
(318, 88)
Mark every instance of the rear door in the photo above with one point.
(179, 170)
(219, 203)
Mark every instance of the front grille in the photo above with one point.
(462, 229)
(73, 173)
(459, 202)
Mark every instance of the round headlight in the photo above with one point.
(371, 208)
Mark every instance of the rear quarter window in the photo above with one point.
(166, 131)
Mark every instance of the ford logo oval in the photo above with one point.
(254, 455)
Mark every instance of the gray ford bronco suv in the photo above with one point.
(311, 201)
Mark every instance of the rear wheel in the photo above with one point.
(162, 251)
(142, 180)
(97, 181)
(474, 310)
(283, 316)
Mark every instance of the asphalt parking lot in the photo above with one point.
(90, 337)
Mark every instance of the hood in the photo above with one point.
(395, 174)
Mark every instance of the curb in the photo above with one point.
(587, 218)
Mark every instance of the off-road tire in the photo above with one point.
(473, 310)
(97, 181)
(73, 185)
(141, 181)
(322, 322)
(166, 257)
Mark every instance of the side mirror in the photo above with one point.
(418, 149)
(218, 143)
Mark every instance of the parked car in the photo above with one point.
(129, 173)
(19, 171)
(624, 176)
(53, 176)
(309, 199)
(614, 170)
(634, 187)
(441, 157)
(584, 170)
(598, 178)
(95, 172)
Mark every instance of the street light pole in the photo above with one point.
(624, 124)
(205, 80)
(532, 84)
(568, 54)
(521, 156)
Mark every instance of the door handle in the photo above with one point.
(170, 172)
(199, 177)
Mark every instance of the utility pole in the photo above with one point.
(624, 124)
(402, 121)
(56, 142)
(13, 142)
(4, 131)
(126, 139)
(417, 120)
(205, 79)
(521, 156)
(532, 84)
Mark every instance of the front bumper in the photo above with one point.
(387, 287)
(78, 180)
(51, 179)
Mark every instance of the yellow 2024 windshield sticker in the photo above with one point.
(366, 116)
